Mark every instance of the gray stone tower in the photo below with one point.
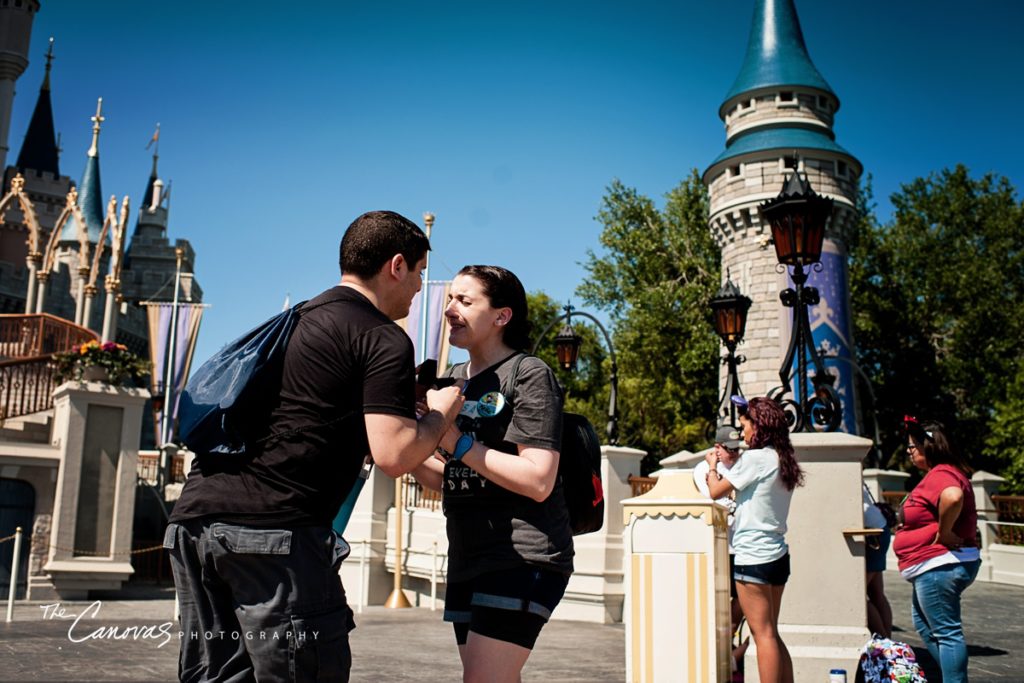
(15, 33)
(778, 118)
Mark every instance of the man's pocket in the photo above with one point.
(247, 541)
(171, 536)
(318, 648)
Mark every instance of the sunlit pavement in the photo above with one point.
(415, 645)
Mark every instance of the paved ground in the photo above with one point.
(414, 645)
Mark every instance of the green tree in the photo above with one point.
(654, 278)
(938, 307)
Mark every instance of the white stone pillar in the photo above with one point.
(677, 571)
(884, 480)
(596, 592)
(985, 485)
(32, 263)
(96, 427)
(823, 619)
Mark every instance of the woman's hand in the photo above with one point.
(421, 408)
(711, 457)
(948, 539)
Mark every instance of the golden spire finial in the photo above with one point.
(96, 121)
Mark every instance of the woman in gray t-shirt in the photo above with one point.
(509, 541)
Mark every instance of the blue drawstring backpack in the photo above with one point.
(223, 401)
(218, 403)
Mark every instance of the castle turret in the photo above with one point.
(38, 164)
(90, 195)
(778, 118)
(39, 150)
(151, 261)
(15, 34)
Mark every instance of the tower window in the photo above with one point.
(735, 172)
(841, 169)
(823, 103)
(789, 163)
(787, 97)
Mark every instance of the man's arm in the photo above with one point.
(400, 444)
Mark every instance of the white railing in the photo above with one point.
(438, 572)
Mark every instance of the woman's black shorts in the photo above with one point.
(510, 605)
(774, 573)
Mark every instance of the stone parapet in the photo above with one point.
(96, 430)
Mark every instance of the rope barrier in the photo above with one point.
(90, 553)
(122, 553)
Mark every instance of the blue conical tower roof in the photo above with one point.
(776, 53)
(90, 196)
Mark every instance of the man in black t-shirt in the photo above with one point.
(254, 557)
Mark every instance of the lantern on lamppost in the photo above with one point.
(567, 344)
(567, 347)
(729, 308)
(797, 217)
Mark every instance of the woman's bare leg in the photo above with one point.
(786, 672)
(876, 594)
(488, 660)
(758, 605)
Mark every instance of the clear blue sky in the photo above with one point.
(283, 121)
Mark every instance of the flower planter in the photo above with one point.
(95, 373)
(108, 362)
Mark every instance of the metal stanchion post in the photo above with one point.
(15, 565)
(397, 598)
(433, 579)
(364, 592)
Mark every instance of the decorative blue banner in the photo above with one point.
(831, 326)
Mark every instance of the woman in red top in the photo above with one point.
(937, 544)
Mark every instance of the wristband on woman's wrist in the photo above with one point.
(463, 445)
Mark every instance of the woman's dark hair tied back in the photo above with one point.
(936, 445)
(505, 290)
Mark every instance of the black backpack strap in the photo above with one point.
(512, 377)
(302, 308)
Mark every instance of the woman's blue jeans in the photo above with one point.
(936, 612)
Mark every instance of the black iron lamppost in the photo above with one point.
(797, 217)
(729, 307)
(567, 346)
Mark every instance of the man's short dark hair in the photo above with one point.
(375, 237)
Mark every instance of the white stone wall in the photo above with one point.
(805, 109)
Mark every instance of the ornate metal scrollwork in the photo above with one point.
(817, 409)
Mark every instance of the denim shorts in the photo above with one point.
(511, 605)
(774, 573)
(875, 549)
